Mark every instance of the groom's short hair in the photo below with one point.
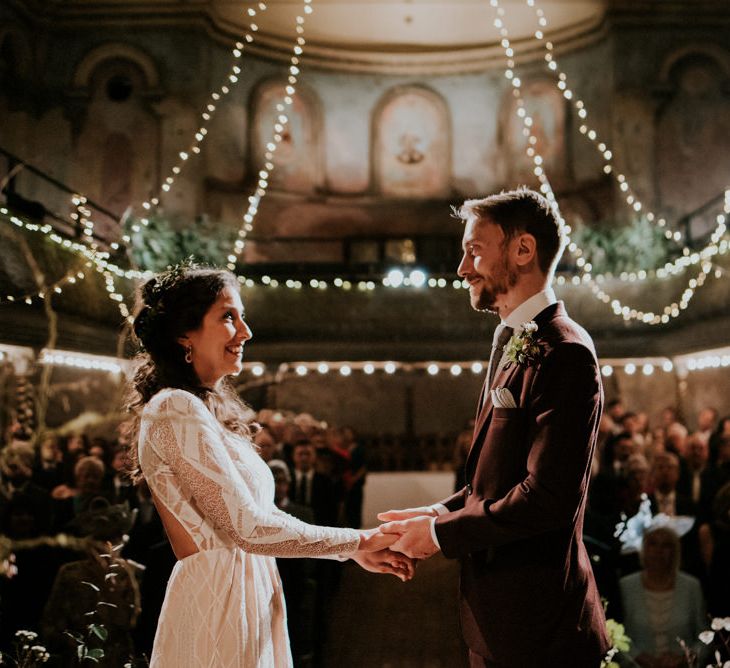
(518, 211)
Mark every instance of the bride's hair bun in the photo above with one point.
(148, 291)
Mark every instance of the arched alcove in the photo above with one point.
(546, 106)
(692, 136)
(411, 144)
(119, 143)
(298, 158)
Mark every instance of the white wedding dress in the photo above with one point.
(224, 605)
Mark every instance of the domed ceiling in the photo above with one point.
(402, 34)
(361, 35)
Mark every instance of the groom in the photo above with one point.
(528, 597)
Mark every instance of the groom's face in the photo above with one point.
(486, 265)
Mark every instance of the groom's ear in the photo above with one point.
(525, 249)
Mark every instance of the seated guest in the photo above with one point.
(692, 477)
(119, 485)
(74, 604)
(635, 484)
(721, 431)
(716, 476)
(706, 422)
(661, 604)
(614, 410)
(676, 439)
(75, 447)
(70, 501)
(268, 447)
(48, 468)
(311, 488)
(617, 452)
(665, 476)
(16, 468)
(631, 424)
(99, 448)
(611, 491)
(668, 500)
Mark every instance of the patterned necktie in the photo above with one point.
(502, 335)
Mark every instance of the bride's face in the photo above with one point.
(217, 345)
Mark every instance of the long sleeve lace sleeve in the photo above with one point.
(225, 486)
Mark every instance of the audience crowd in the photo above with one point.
(84, 560)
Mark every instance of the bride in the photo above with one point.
(214, 493)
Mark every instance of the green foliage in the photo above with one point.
(620, 642)
(160, 244)
(617, 635)
(613, 248)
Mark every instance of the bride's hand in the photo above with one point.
(372, 540)
(387, 561)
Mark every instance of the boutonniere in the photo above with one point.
(523, 348)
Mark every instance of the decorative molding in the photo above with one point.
(712, 51)
(115, 51)
(399, 59)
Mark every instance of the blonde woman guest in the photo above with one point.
(661, 604)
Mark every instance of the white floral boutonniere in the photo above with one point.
(522, 348)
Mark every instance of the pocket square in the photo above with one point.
(502, 398)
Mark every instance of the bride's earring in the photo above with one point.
(189, 354)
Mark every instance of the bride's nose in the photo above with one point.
(244, 331)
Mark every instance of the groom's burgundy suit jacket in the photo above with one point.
(528, 596)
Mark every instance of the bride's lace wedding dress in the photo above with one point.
(224, 605)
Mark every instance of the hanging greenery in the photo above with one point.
(160, 244)
(615, 248)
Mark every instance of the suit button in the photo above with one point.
(469, 489)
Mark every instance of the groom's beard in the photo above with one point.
(502, 278)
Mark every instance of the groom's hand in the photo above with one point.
(387, 561)
(415, 536)
(408, 513)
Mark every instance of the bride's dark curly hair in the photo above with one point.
(170, 305)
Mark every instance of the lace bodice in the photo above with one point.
(217, 486)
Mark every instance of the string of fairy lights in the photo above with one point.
(210, 107)
(396, 278)
(630, 196)
(715, 247)
(679, 365)
(282, 120)
(631, 199)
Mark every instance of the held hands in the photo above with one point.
(407, 532)
(386, 561)
(413, 528)
(374, 556)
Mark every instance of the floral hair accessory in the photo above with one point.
(522, 348)
(153, 292)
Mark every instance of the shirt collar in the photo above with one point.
(530, 308)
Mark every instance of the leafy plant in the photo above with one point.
(613, 248)
(26, 654)
(160, 244)
(716, 637)
(620, 642)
